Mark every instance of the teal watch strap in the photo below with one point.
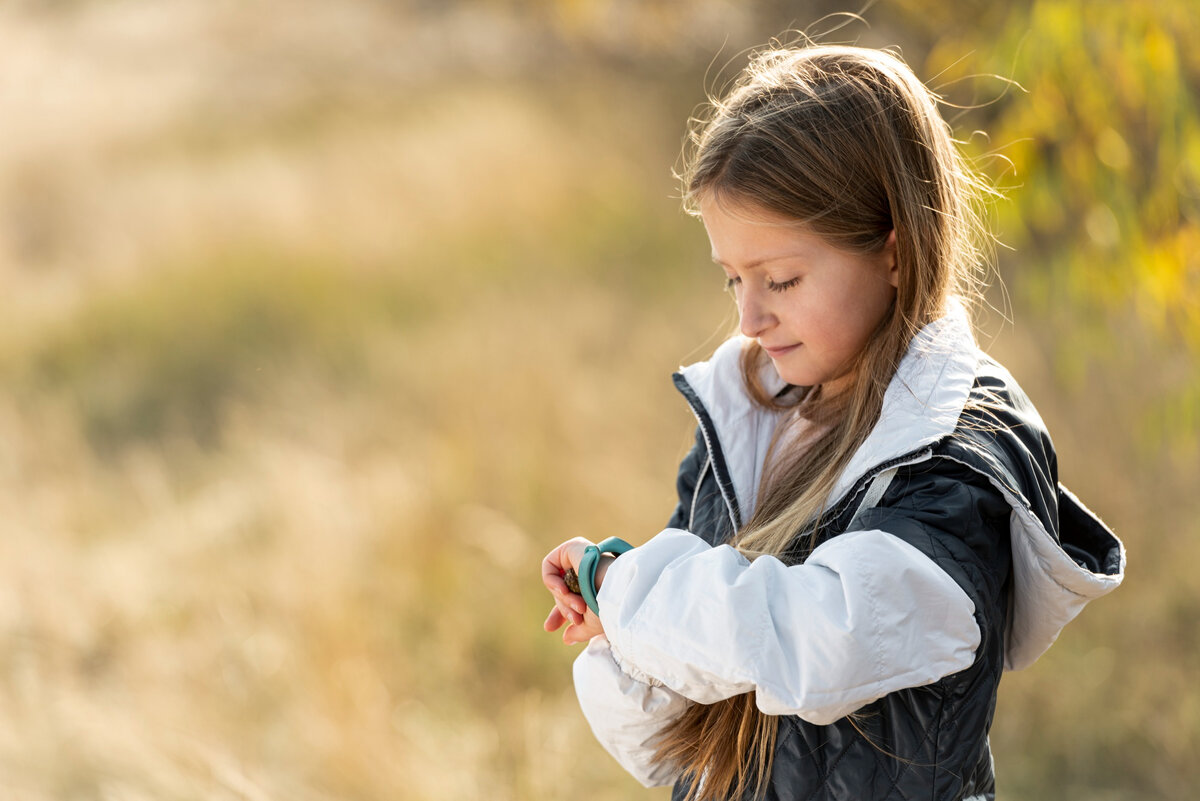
(591, 561)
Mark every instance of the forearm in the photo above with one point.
(865, 615)
(626, 713)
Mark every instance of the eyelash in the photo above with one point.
(782, 286)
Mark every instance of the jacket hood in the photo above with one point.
(1063, 555)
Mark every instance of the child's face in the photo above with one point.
(811, 306)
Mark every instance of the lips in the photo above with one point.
(775, 353)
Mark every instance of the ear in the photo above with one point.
(889, 252)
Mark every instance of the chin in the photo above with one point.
(801, 377)
(797, 378)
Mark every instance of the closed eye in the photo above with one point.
(731, 283)
(782, 286)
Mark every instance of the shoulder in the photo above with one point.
(996, 398)
(1001, 435)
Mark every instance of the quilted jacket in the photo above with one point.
(951, 553)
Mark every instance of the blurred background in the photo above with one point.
(324, 319)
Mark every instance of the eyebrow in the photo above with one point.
(759, 262)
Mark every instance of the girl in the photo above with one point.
(870, 526)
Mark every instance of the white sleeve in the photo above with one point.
(625, 712)
(865, 615)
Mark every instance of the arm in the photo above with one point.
(569, 608)
(626, 710)
(867, 614)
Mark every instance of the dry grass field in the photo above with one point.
(323, 321)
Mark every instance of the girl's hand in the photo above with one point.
(569, 607)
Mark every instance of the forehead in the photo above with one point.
(741, 233)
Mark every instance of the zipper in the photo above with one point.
(716, 459)
(696, 492)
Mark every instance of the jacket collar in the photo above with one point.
(921, 406)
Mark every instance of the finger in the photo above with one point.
(573, 606)
(554, 620)
(581, 633)
(566, 600)
(577, 603)
(552, 571)
(570, 600)
(567, 554)
(567, 610)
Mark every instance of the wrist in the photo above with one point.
(606, 560)
(591, 563)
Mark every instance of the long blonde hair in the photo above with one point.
(848, 143)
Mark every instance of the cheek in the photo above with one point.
(869, 294)
(848, 319)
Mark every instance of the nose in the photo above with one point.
(755, 316)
